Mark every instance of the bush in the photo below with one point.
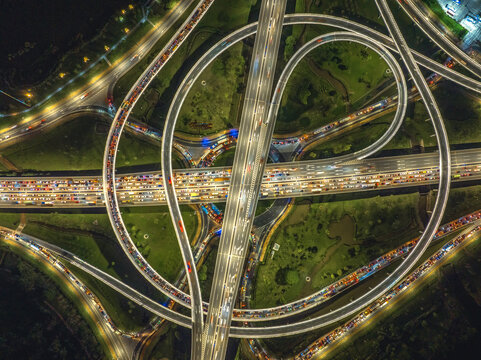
(292, 277)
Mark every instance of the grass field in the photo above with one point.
(90, 237)
(461, 111)
(457, 206)
(416, 327)
(78, 145)
(160, 247)
(226, 158)
(152, 107)
(324, 241)
(416, 303)
(456, 28)
(215, 98)
(329, 83)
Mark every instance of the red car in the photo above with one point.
(189, 267)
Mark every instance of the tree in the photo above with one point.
(203, 273)
(292, 277)
(289, 47)
(304, 95)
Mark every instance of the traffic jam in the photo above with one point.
(208, 185)
(26, 241)
(109, 165)
(335, 335)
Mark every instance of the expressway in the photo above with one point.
(444, 169)
(117, 126)
(255, 137)
(228, 41)
(452, 75)
(118, 344)
(418, 14)
(185, 86)
(108, 183)
(264, 330)
(42, 247)
(97, 88)
(291, 179)
(406, 265)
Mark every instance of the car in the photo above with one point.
(84, 95)
(450, 9)
(471, 19)
(189, 267)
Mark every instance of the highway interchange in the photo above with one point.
(258, 123)
(290, 179)
(255, 137)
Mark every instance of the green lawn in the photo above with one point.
(331, 82)
(78, 145)
(90, 237)
(461, 111)
(152, 107)
(417, 327)
(361, 10)
(262, 206)
(325, 240)
(456, 28)
(160, 248)
(462, 201)
(214, 101)
(226, 158)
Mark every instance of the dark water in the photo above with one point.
(34, 34)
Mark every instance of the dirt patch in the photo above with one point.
(9, 165)
(300, 213)
(336, 84)
(344, 228)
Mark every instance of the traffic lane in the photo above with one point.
(69, 106)
(233, 245)
(439, 38)
(290, 185)
(393, 65)
(299, 168)
(433, 223)
(349, 25)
